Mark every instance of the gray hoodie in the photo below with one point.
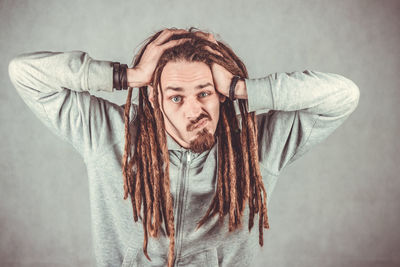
(295, 111)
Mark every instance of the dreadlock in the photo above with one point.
(145, 163)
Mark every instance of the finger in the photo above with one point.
(166, 34)
(213, 51)
(173, 43)
(212, 39)
(207, 36)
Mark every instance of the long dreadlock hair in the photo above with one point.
(145, 163)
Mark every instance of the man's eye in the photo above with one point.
(203, 94)
(176, 99)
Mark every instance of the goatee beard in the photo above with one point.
(204, 141)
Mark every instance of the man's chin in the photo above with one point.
(204, 141)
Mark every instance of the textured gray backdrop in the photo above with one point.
(336, 206)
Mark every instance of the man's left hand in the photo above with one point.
(221, 76)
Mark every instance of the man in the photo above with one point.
(203, 140)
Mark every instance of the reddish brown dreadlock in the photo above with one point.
(146, 172)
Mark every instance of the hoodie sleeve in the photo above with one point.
(296, 111)
(56, 86)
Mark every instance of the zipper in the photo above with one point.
(186, 158)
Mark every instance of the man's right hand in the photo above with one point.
(142, 73)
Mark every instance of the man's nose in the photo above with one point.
(192, 109)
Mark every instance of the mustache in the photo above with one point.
(192, 124)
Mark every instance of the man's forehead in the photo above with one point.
(180, 89)
(177, 76)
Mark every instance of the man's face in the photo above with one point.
(189, 102)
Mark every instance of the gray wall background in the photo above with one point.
(336, 206)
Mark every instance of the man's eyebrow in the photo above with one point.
(179, 89)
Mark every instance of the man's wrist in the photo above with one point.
(241, 90)
(134, 78)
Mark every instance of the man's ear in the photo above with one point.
(222, 98)
(150, 93)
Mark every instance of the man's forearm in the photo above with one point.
(321, 93)
(47, 72)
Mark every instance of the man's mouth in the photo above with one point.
(201, 123)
